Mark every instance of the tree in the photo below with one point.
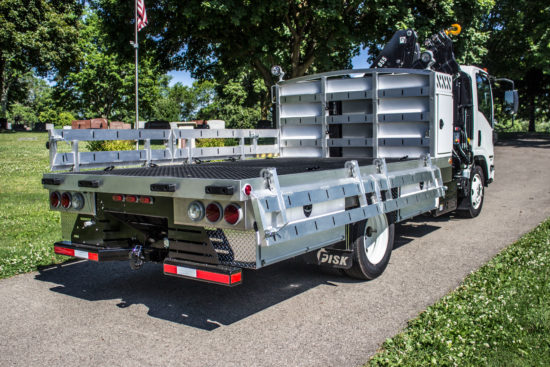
(236, 102)
(33, 97)
(39, 35)
(182, 103)
(519, 50)
(428, 17)
(222, 39)
(58, 119)
(103, 83)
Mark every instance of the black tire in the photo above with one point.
(362, 267)
(472, 207)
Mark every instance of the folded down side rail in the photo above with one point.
(406, 192)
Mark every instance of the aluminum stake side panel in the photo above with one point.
(284, 235)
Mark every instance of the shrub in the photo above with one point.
(59, 119)
(209, 142)
(110, 145)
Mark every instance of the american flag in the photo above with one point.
(142, 15)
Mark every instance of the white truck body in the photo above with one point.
(352, 146)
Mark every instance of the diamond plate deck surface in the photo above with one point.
(235, 170)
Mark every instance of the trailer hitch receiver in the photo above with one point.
(136, 257)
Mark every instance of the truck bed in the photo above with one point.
(236, 170)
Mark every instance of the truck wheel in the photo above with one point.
(474, 202)
(372, 245)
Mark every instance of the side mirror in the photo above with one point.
(511, 101)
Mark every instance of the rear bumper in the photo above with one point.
(217, 274)
(90, 253)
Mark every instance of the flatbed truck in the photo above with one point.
(356, 151)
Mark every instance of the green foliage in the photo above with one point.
(103, 84)
(21, 113)
(219, 40)
(110, 145)
(499, 316)
(209, 143)
(519, 50)
(59, 119)
(233, 103)
(34, 97)
(35, 35)
(429, 17)
(520, 125)
(27, 225)
(182, 103)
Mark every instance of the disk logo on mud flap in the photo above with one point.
(324, 257)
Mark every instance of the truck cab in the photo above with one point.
(480, 132)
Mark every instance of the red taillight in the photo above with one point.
(66, 200)
(247, 190)
(232, 214)
(118, 197)
(133, 199)
(146, 200)
(55, 199)
(213, 212)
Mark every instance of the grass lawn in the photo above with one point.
(499, 316)
(27, 225)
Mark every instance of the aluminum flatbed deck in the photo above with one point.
(235, 170)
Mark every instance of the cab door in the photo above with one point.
(483, 120)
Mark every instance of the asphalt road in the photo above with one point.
(289, 314)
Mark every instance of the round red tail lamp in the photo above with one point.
(232, 214)
(213, 212)
(131, 199)
(146, 200)
(118, 197)
(66, 200)
(55, 199)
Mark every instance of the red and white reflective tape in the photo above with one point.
(76, 253)
(203, 274)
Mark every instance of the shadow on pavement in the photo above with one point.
(411, 229)
(201, 305)
(526, 142)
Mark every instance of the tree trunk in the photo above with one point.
(533, 79)
(532, 113)
(3, 90)
(266, 105)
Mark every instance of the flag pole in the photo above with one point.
(136, 52)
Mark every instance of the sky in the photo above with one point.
(184, 77)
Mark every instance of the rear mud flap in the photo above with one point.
(332, 258)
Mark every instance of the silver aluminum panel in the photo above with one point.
(350, 119)
(302, 98)
(313, 120)
(404, 92)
